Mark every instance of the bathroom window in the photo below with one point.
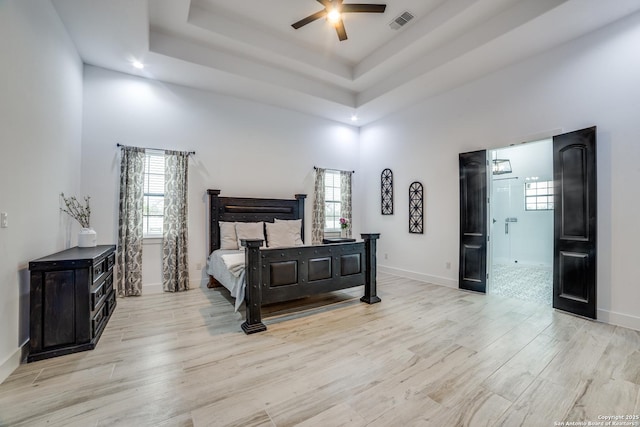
(538, 196)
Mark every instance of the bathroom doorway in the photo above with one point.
(521, 222)
(571, 199)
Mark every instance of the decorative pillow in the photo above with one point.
(295, 227)
(250, 230)
(280, 234)
(228, 237)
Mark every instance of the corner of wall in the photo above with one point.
(618, 319)
(10, 364)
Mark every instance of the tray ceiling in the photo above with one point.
(248, 48)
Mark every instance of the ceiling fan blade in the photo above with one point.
(366, 8)
(325, 3)
(342, 33)
(309, 19)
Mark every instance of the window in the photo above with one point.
(153, 208)
(538, 196)
(332, 201)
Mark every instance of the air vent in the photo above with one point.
(401, 20)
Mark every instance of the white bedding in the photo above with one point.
(234, 263)
(227, 267)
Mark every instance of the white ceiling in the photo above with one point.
(248, 49)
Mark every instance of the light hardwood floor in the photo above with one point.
(427, 355)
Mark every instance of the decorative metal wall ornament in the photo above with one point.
(416, 208)
(386, 192)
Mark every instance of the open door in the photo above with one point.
(472, 273)
(574, 257)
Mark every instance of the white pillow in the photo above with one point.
(250, 230)
(279, 235)
(228, 236)
(295, 227)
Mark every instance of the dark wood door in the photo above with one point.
(472, 273)
(574, 257)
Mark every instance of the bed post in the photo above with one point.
(300, 198)
(253, 291)
(370, 292)
(214, 216)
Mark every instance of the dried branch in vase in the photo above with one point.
(76, 210)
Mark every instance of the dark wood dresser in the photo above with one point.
(72, 299)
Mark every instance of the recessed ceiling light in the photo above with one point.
(139, 65)
(354, 118)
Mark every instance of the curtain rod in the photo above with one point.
(338, 170)
(149, 148)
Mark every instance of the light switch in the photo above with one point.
(4, 222)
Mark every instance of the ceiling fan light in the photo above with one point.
(501, 166)
(333, 16)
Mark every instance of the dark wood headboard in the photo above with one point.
(245, 209)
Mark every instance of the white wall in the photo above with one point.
(40, 123)
(242, 148)
(589, 81)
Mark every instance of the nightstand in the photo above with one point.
(329, 240)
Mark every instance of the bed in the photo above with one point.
(283, 273)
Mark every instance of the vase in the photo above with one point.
(343, 233)
(87, 238)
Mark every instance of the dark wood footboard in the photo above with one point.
(282, 274)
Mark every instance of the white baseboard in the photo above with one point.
(436, 280)
(198, 283)
(619, 319)
(156, 288)
(9, 365)
(151, 288)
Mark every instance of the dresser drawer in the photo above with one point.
(99, 269)
(98, 296)
(97, 321)
(111, 260)
(111, 302)
(108, 284)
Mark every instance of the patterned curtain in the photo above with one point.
(175, 240)
(317, 220)
(345, 198)
(129, 255)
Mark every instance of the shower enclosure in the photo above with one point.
(521, 222)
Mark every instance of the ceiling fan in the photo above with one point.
(333, 10)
